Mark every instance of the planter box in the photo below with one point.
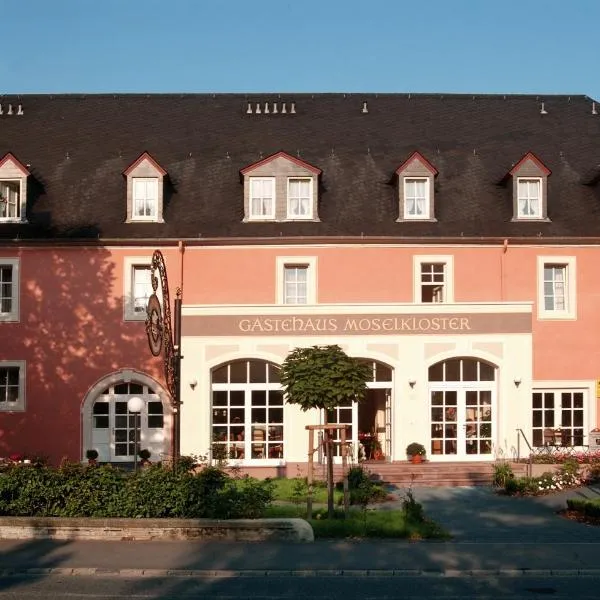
(246, 530)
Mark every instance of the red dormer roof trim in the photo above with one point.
(531, 156)
(417, 156)
(144, 156)
(8, 157)
(285, 155)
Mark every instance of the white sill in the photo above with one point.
(12, 220)
(255, 462)
(9, 318)
(556, 316)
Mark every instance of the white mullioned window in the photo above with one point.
(529, 198)
(145, 198)
(142, 288)
(9, 289)
(262, 197)
(247, 420)
(558, 417)
(299, 198)
(295, 284)
(10, 199)
(12, 385)
(433, 282)
(416, 198)
(433, 278)
(557, 297)
(137, 287)
(555, 287)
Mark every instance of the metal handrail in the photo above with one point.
(521, 433)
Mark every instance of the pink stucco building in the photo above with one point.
(451, 242)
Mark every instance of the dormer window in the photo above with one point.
(145, 190)
(145, 198)
(416, 198)
(13, 190)
(262, 198)
(529, 198)
(299, 197)
(280, 188)
(530, 177)
(416, 188)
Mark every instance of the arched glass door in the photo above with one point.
(462, 409)
(113, 426)
(370, 421)
(247, 412)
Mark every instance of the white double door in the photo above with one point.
(463, 422)
(116, 431)
(369, 431)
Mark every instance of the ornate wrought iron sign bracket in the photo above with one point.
(165, 339)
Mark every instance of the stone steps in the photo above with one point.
(405, 474)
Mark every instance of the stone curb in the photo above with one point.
(225, 573)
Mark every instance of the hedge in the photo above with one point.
(74, 490)
(589, 508)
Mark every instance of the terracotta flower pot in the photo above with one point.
(416, 459)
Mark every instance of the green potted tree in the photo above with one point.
(144, 455)
(416, 452)
(92, 456)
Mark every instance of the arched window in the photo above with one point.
(247, 411)
(114, 427)
(462, 369)
(462, 407)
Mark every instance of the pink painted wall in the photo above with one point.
(562, 349)
(72, 332)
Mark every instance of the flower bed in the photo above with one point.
(567, 475)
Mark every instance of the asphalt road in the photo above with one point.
(316, 588)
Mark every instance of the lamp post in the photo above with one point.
(135, 406)
(165, 340)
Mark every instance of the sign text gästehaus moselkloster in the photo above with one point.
(365, 324)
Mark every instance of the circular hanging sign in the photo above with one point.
(154, 325)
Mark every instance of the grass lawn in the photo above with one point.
(378, 523)
(295, 489)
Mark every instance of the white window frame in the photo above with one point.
(310, 262)
(261, 217)
(14, 315)
(570, 265)
(20, 204)
(129, 264)
(540, 211)
(154, 181)
(427, 212)
(557, 387)
(309, 214)
(448, 261)
(20, 405)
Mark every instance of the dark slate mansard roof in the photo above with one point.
(77, 147)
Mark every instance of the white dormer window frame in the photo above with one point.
(530, 189)
(145, 190)
(300, 205)
(262, 202)
(8, 200)
(529, 206)
(13, 190)
(147, 201)
(412, 197)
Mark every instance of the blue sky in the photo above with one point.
(472, 46)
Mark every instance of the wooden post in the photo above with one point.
(310, 474)
(329, 449)
(345, 472)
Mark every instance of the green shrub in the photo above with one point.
(362, 489)
(502, 473)
(74, 490)
(590, 508)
